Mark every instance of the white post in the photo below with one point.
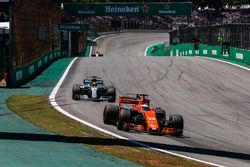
(69, 44)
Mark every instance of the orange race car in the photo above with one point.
(134, 113)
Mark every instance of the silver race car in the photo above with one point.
(93, 88)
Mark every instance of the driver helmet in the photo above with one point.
(145, 107)
(94, 84)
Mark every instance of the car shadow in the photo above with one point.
(119, 142)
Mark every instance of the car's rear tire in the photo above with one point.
(178, 123)
(110, 113)
(76, 92)
(111, 92)
(124, 116)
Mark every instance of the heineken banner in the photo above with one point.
(128, 9)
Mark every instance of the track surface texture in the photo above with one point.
(213, 97)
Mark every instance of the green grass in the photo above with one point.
(38, 111)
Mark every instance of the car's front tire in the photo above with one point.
(178, 123)
(76, 92)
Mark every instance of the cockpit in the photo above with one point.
(90, 82)
(145, 107)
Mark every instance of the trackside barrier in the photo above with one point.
(236, 55)
(22, 75)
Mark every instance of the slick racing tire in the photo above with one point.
(178, 123)
(119, 125)
(161, 116)
(76, 92)
(110, 113)
(111, 92)
(124, 116)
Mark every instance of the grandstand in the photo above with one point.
(199, 17)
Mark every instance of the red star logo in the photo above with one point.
(145, 8)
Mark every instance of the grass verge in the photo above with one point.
(38, 111)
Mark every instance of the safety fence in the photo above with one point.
(35, 30)
(35, 39)
(4, 36)
(4, 53)
(235, 55)
(238, 35)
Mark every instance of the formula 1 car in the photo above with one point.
(97, 54)
(93, 88)
(134, 113)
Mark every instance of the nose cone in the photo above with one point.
(152, 121)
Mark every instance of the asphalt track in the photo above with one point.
(213, 97)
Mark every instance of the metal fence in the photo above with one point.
(238, 35)
(4, 53)
(34, 29)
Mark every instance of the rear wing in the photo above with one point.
(128, 100)
(142, 99)
(97, 54)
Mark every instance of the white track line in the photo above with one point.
(237, 65)
(145, 52)
(223, 61)
(91, 47)
(58, 108)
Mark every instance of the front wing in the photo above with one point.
(101, 98)
(141, 128)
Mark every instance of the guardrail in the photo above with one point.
(22, 75)
(132, 31)
(236, 55)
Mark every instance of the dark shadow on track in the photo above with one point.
(5, 114)
(121, 142)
